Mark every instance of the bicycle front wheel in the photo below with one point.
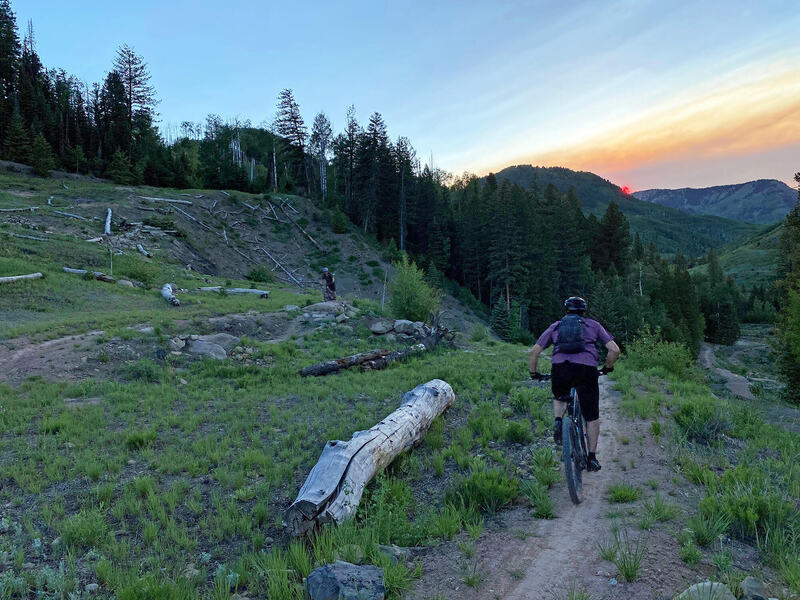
(571, 457)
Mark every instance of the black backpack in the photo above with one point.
(570, 335)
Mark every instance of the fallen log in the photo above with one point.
(219, 288)
(14, 278)
(25, 237)
(333, 488)
(336, 365)
(107, 230)
(308, 235)
(70, 215)
(281, 267)
(141, 249)
(169, 200)
(97, 274)
(23, 209)
(188, 216)
(168, 295)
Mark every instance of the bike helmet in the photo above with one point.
(575, 304)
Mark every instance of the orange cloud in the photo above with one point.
(750, 115)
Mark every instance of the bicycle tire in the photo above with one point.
(570, 456)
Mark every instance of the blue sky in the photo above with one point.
(477, 84)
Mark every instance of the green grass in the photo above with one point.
(620, 493)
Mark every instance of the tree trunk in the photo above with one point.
(107, 229)
(333, 488)
(168, 295)
(97, 274)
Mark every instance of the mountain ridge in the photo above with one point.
(762, 201)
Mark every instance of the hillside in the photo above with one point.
(762, 201)
(670, 229)
(751, 261)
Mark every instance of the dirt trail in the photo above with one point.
(54, 359)
(524, 558)
(736, 384)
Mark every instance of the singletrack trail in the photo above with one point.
(520, 557)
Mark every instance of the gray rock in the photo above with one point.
(201, 348)
(396, 553)
(402, 337)
(346, 581)
(707, 590)
(125, 283)
(390, 337)
(381, 327)
(753, 589)
(146, 330)
(291, 308)
(176, 344)
(332, 306)
(403, 326)
(92, 587)
(226, 340)
(341, 318)
(419, 329)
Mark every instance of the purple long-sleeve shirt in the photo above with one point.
(593, 332)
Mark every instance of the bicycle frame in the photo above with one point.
(576, 416)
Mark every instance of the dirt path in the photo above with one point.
(736, 384)
(55, 359)
(523, 558)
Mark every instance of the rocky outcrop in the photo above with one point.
(346, 581)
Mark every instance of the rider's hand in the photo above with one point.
(606, 370)
(536, 376)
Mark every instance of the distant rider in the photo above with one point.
(330, 285)
(574, 364)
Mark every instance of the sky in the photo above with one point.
(644, 93)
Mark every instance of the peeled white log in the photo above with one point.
(333, 488)
(108, 223)
(95, 239)
(23, 209)
(97, 274)
(70, 215)
(141, 249)
(169, 200)
(219, 288)
(168, 295)
(20, 277)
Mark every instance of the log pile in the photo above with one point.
(333, 488)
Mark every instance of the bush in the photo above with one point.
(519, 432)
(261, 274)
(478, 333)
(411, 297)
(137, 269)
(623, 493)
(85, 529)
(701, 420)
(648, 352)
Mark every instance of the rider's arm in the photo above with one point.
(534, 360)
(613, 353)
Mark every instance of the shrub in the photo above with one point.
(85, 529)
(478, 333)
(411, 297)
(484, 489)
(137, 269)
(519, 432)
(647, 352)
(261, 274)
(537, 495)
(706, 529)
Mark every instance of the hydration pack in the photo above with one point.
(570, 335)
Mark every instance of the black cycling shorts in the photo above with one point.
(567, 375)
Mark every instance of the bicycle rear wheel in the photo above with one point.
(571, 457)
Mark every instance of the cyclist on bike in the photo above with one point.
(574, 364)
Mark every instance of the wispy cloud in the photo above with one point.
(746, 112)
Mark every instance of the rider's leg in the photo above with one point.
(593, 432)
(559, 408)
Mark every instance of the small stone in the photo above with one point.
(131, 461)
(56, 542)
(612, 582)
(602, 573)
(125, 283)
(268, 541)
(183, 381)
(146, 330)
(176, 344)
(92, 587)
(341, 318)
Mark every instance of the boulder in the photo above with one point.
(403, 326)
(346, 581)
(226, 340)
(753, 589)
(419, 329)
(291, 308)
(406, 339)
(381, 326)
(396, 553)
(176, 344)
(210, 349)
(332, 306)
(341, 318)
(707, 590)
(125, 283)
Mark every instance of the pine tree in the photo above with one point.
(17, 147)
(289, 125)
(120, 169)
(140, 96)
(788, 288)
(319, 145)
(501, 320)
(612, 241)
(42, 157)
(9, 64)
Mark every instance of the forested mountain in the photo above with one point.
(762, 201)
(672, 231)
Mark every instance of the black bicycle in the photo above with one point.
(574, 444)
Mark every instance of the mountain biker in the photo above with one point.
(329, 284)
(574, 364)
